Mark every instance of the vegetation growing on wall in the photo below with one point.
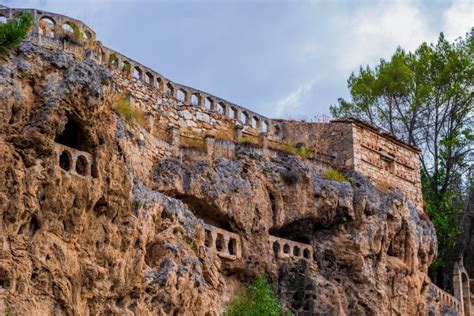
(259, 299)
(299, 150)
(425, 98)
(13, 32)
(128, 113)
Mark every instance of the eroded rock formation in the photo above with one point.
(123, 231)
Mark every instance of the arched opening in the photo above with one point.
(194, 99)
(208, 103)
(265, 126)
(4, 279)
(232, 112)
(137, 73)
(126, 67)
(232, 246)
(87, 35)
(286, 249)
(208, 241)
(244, 117)
(221, 108)
(65, 160)
(74, 136)
(81, 165)
(277, 131)
(181, 95)
(3, 19)
(149, 78)
(46, 27)
(169, 89)
(296, 251)
(276, 248)
(68, 27)
(160, 84)
(219, 242)
(306, 253)
(254, 122)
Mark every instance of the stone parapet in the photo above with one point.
(74, 161)
(447, 299)
(222, 242)
(284, 248)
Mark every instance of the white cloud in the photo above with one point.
(375, 32)
(458, 19)
(292, 101)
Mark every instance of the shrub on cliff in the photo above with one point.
(13, 32)
(333, 174)
(259, 299)
(128, 113)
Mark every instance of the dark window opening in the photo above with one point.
(4, 279)
(73, 136)
(286, 248)
(306, 253)
(296, 251)
(65, 160)
(208, 239)
(232, 246)
(276, 248)
(81, 165)
(219, 242)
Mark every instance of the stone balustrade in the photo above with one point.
(49, 32)
(74, 161)
(447, 299)
(284, 248)
(226, 244)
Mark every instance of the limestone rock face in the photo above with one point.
(124, 232)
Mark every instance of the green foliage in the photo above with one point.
(246, 140)
(77, 32)
(259, 299)
(128, 113)
(113, 58)
(13, 32)
(299, 150)
(177, 229)
(425, 98)
(126, 67)
(333, 174)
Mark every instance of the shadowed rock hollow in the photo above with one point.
(122, 232)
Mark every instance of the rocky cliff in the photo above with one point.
(127, 237)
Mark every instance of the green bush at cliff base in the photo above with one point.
(333, 174)
(13, 32)
(259, 299)
(246, 140)
(128, 113)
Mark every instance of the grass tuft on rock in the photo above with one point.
(128, 113)
(333, 174)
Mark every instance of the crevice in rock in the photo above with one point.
(210, 214)
(74, 136)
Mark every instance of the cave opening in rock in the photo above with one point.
(74, 136)
(299, 231)
(81, 165)
(65, 160)
(208, 213)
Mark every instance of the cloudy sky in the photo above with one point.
(287, 59)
